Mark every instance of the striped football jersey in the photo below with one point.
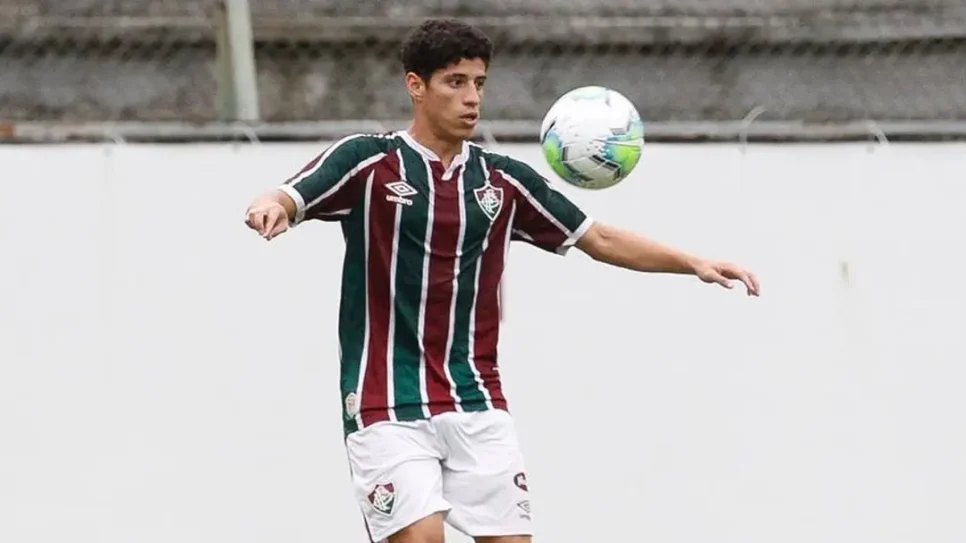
(419, 316)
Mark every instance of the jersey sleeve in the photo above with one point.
(545, 217)
(328, 188)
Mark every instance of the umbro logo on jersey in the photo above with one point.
(400, 190)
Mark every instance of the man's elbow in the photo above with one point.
(599, 242)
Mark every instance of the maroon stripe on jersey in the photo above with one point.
(310, 166)
(487, 324)
(535, 222)
(348, 195)
(444, 240)
(382, 226)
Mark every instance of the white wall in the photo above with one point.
(168, 377)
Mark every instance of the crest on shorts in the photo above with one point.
(383, 498)
(490, 199)
(520, 479)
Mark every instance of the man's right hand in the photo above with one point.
(268, 217)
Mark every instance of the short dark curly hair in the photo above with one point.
(438, 43)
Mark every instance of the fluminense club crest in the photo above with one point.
(490, 199)
(383, 498)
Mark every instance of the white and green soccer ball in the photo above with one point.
(592, 137)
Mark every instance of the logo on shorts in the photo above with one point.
(383, 498)
(524, 506)
(520, 479)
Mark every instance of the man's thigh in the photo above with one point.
(484, 477)
(397, 479)
(426, 530)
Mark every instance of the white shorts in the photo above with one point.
(466, 465)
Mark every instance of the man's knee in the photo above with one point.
(504, 539)
(427, 530)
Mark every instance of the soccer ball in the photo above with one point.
(592, 137)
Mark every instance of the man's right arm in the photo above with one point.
(326, 188)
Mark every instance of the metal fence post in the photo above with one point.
(238, 86)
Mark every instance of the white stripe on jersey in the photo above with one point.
(391, 339)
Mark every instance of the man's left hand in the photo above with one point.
(724, 273)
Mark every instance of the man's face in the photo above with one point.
(451, 99)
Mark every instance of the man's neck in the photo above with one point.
(446, 150)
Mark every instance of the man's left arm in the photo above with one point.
(626, 249)
(548, 219)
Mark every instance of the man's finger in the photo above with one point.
(721, 280)
(256, 221)
(742, 275)
(746, 279)
(754, 283)
(279, 225)
(278, 229)
(271, 222)
(749, 280)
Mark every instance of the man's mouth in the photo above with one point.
(470, 116)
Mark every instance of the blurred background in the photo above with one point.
(168, 377)
(825, 67)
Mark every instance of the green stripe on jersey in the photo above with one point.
(407, 384)
(352, 321)
(476, 225)
(339, 160)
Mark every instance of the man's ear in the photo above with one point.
(415, 86)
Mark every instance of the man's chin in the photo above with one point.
(464, 130)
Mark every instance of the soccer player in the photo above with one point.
(427, 218)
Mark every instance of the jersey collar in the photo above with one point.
(428, 154)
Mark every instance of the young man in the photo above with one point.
(427, 219)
